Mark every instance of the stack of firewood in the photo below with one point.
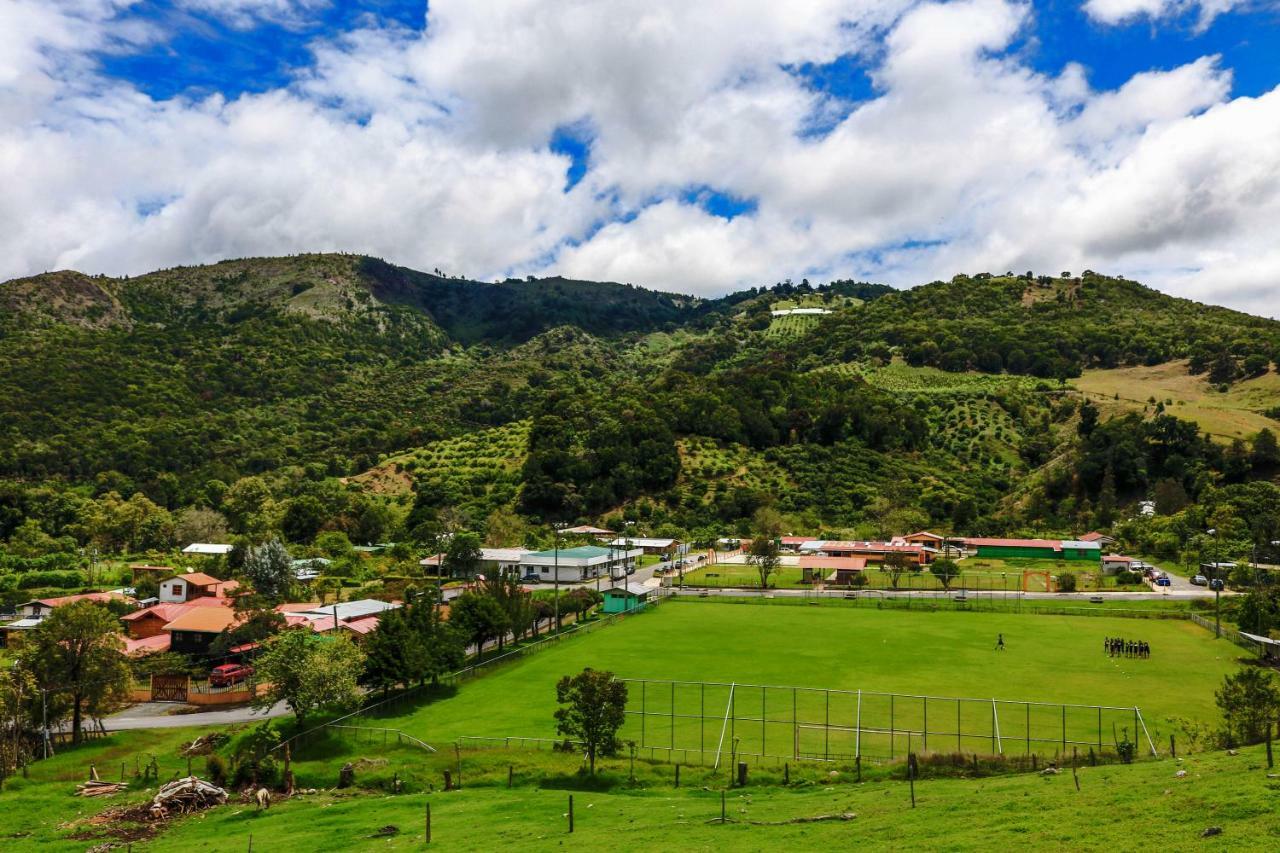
(95, 788)
(186, 795)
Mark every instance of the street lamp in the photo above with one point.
(1217, 587)
(556, 527)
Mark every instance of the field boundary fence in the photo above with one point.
(778, 722)
(395, 703)
(1228, 633)
(973, 602)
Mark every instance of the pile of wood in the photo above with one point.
(95, 788)
(204, 744)
(184, 796)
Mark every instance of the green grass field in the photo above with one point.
(1048, 658)
(1052, 659)
(976, 574)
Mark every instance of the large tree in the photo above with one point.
(309, 671)
(593, 706)
(444, 646)
(270, 569)
(394, 653)
(1250, 702)
(462, 557)
(515, 602)
(945, 570)
(480, 618)
(76, 653)
(765, 555)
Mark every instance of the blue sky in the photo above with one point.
(699, 147)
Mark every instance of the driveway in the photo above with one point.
(155, 715)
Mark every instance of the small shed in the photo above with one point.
(1268, 649)
(620, 599)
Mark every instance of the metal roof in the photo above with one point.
(633, 588)
(206, 548)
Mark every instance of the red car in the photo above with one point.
(229, 673)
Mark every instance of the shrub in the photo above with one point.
(260, 771)
(215, 768)
(1066, 582)
(1126, 578)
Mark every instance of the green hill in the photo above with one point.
(944, 405)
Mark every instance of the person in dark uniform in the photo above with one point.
(999, 642)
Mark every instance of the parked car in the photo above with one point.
(531, 577)
(229, 673)
(1200, 580)
(1217, 584)
(1163, 580)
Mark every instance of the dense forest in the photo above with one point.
(342, 394)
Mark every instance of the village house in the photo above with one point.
(665, 548)
(193, 632)
(494, 562)
(837, 570)
(1044, 549)
(620, 599)
(921, 555)
(573, 565)
(183, 588)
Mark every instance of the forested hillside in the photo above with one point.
(335, 392)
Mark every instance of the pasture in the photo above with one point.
(1052, 659)
(1237, 413)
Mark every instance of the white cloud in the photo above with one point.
(1113, 12)
(432, 150)
(247, 13)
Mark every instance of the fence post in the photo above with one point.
(571, 813)
(428, 821)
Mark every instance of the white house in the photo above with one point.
(493, 561)
(572, 565)
(665, 547)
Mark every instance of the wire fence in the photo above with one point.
(1228, 632)
(396, 703)
(929, 602)
(804, 723)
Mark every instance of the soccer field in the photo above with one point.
(1048, 659)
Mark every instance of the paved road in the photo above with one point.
(155, 715)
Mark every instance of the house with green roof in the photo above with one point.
(581, 563)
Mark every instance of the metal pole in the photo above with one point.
(555, 574)
(857, 741)
(44, 718)
(673, 716)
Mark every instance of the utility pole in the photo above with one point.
(44, 718)
(555, 571)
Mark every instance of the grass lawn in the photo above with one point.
(1047, 659)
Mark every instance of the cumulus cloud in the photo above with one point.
(1114, 12)
(433, 149)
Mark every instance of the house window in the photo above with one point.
(545, 570)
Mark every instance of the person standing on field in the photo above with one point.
(999, 642)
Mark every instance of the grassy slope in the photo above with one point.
(1117, 808)
(1237, 413)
